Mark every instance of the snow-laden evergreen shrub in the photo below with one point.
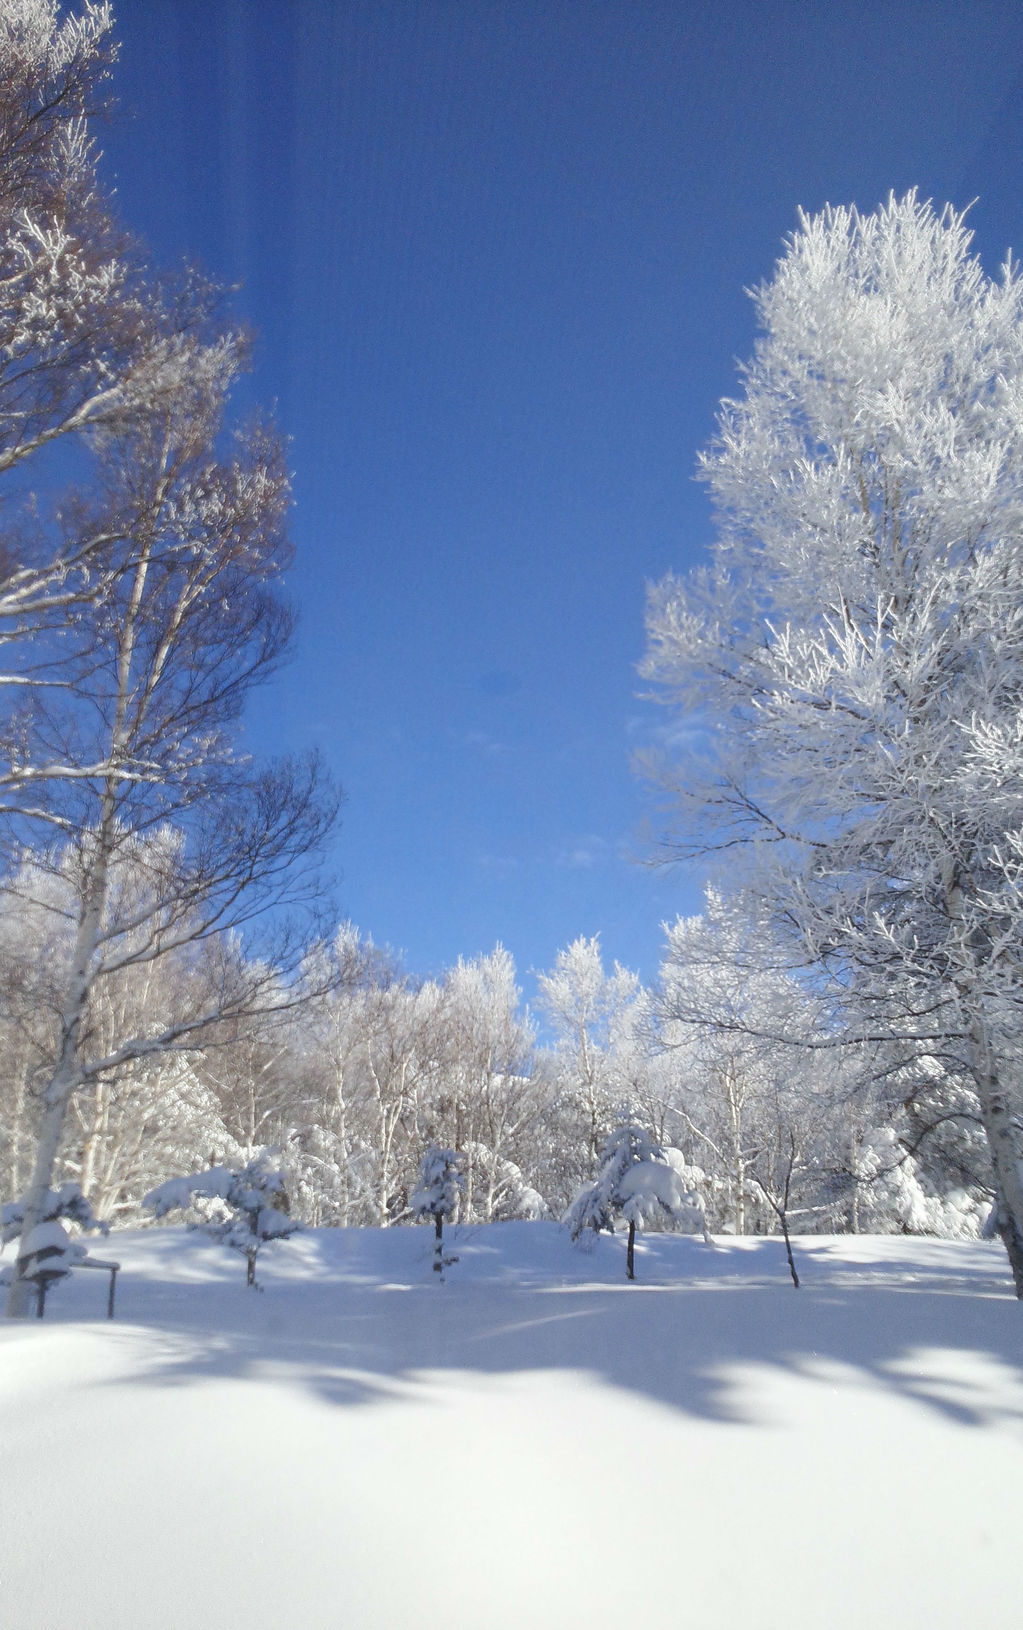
(245, 1209)
(440, 1183)
(441, 1178)
(635, 1183)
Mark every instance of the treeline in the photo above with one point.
(359, 1067)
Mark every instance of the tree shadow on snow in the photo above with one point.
(921, 1330)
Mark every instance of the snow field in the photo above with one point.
(534, 1443)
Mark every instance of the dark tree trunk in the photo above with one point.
(1011, 1238)
(781, 1207)
(630, 1255)
(788, 1248)
(438, 1248)
(1003, 1141)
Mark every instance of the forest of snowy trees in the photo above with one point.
(833, 1044)
(352, 1085)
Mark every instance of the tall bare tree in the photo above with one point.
(165, 612)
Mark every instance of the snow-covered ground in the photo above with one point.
(534, 1443)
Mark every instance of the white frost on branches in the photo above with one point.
(854, 654)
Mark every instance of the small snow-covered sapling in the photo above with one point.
(441, 1179)
(246, 1209)
(633, 1181)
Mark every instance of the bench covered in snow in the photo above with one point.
(48, 1255)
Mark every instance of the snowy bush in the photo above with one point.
(67, 1203)
(245, 1209)
(500, 1186)
(635, 1182)
(894, 1198)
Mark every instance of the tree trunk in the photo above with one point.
(438, 1245)
(94, 1135)
(66, 1076)
(67, 1072)
(383, 1172)
(854, 1168)
(733, 1096)
(19, 1130)
(58, 1095)
(469, 1186)
(56, 1098)
(782, 1218)
(996, 1113)
(630, 1254)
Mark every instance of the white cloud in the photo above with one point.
(481, 741)
(585, 853)
(497, 865)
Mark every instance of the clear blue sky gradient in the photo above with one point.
(495, 255)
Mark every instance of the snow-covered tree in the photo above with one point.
(744, 1088)
(437, 1193)
(125, 1128)
(245, 1209)
(391, 1030)
(508, 1195)
(591, 1013)
(896, 1192)
(853, 657)
(635, 1182)
(484, 1098)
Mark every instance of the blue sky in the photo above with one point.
(495, 257)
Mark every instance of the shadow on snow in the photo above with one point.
(924, 1321)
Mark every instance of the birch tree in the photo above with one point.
(160, 569)
(85, 345)
(853, 655)
(591, 1013)
(486, 1100)
(346, 1128)
(193, 622)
